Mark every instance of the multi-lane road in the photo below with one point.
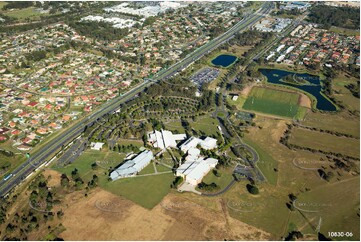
(48, 150)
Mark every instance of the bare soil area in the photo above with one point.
(104, 216)
(304, 101)
(247, 89)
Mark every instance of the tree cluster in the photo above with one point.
(345, 17)
(208, 187)
(17, 5)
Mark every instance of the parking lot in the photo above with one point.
(205, 75)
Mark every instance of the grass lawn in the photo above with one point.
(338, 204)
(2, 4)
(138, 143)
(272, 101)
(238, 50)
(10, 162)
(206, 124)
(149, 169)
(239, 102)
(24, 13)
(146, 191)
(339, 122)
(349, 32)
(161, 168)
(266, 211)
(174, 125)
(301, 113)
(222, 181)
(167, 159)
(84, 161)
(344, 95)
(326, 142)
(266, 162)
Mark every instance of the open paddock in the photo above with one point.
(325, 142)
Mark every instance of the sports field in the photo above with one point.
(274, 102)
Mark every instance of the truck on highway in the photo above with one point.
(7, 177)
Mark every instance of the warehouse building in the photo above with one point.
(133, 166)
(165, 139)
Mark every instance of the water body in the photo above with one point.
(224, 60)
(312, 87)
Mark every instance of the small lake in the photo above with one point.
(312, 87)
(224, 60)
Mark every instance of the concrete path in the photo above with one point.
(187, 187)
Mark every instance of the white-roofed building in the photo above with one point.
(192, 142)
(196, 175)
(194, 152)
(133, 166)
(194, 169)
(195, 166)
(96, 146)
(159, 139)
(279, 48)
(165, 139)
(208, 143)
(185, 168)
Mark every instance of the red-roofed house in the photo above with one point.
(33, 104)
(15, 132)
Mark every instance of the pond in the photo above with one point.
(312, 86)
(224, 60)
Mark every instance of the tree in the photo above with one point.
(252, 189)
(294, 235)
(95, 178)
(94, 165)
(74, 174)
(292, 197)
(64, 180)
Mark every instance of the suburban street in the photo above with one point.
(56, 144)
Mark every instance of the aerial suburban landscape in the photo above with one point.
(180, 120)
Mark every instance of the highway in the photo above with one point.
(69, 134)
(216, 42)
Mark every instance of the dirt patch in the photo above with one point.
(247, 89)
(104, 216)
(304, 101)
(53, 178)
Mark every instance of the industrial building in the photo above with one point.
(165, 139)
(208, 143)
(133, 166)
(302, 6)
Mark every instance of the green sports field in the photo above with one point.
(274, 102)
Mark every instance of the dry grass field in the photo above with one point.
(105, 216)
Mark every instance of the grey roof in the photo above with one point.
(131, 167)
